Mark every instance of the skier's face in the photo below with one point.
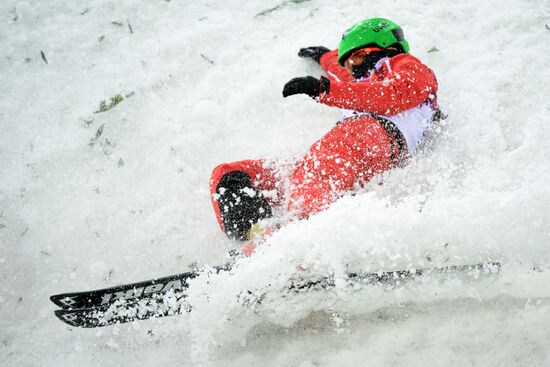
(358, 56)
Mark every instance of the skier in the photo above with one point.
(388, 99)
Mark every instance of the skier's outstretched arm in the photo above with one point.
(401, 90)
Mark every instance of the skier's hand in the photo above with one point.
(303, 85)
(313, 52)
(306, 85)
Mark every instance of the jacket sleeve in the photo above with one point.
(406, 86)
(329, 63)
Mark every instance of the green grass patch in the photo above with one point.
(113, 102)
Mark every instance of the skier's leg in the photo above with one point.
(351, 153)
(243, 193)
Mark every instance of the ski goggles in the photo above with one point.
(358, 56)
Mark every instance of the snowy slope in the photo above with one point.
(94, 199)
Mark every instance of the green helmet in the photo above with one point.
(375, 31)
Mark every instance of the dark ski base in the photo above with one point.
(166, 296)
(148, 289)
(124, 311)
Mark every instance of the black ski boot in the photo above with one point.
(241, 204)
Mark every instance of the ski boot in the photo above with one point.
(241, 204)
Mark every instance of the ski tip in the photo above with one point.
(62, 300)
(67, 317)
(81, 318)
(55, 300)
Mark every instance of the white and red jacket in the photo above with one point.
(400, 89)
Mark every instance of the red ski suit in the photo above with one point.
(356, 149)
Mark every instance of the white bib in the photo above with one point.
(412, 123)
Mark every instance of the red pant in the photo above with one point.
(351, 153)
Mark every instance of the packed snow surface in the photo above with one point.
(96, 194)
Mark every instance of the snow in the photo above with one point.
(89, 200)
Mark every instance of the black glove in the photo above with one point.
(313, 52)
(306, 85)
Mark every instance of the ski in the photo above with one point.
(123, 311)
(147, 289)
(131, 302)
